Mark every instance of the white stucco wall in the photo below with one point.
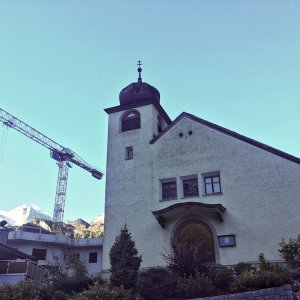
(57, 246)
(260, 190)
(129, 188)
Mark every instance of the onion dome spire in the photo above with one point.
(138, 91)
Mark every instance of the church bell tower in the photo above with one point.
(129, 171)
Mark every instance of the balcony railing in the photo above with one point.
(27, 267)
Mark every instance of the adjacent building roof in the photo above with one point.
(9, 253)
(227, 132)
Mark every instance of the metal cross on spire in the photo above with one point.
(139, 70)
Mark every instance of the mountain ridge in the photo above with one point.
(30, 214)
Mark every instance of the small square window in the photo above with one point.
(169, 190)
(39, 254)
(93, 257)
(190, 187)
(129, 153)
(212, 184)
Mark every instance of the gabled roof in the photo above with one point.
(227, 132)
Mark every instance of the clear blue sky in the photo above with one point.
(234, 63)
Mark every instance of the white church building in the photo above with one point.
(195, 184)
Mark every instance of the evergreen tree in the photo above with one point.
(124, 260)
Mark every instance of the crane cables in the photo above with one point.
(3, 142)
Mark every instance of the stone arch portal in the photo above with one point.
(195, 238)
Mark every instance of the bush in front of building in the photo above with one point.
(71, 285)
(243, 267)
(60, 295)
(106, 292)
(185, 263)
(194, 286)
(221, 277)
(25, 290)
(157, 283)
(124, 260)
(290, 251)
(259, 280)
(74, 278)
(267, 275)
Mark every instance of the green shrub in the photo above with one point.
(59, 295)
(71, 285)
(244, 268)
(124, 260)
(156, 283)
(264, 265)
(185, 263)
(221, 277)
(290, 251)
(259, 280)
(97, 279)
(74, 265)
(98, 292)
(193, 287)
(25, 290)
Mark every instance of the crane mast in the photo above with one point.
(65, 159)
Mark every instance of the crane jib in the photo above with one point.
(64, 156)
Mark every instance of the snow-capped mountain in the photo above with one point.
(29, 213)
(23, 214)
(99, 219)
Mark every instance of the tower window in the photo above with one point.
(131, 121)
(129, 152)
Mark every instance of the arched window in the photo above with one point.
(194, 239)
(131, 120)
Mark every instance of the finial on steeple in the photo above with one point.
(139, 70)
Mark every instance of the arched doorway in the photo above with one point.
(194, 238)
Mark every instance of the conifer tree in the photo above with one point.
(124, 260)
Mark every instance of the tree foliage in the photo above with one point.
(124, 260)
(157, 283)
(290, 251)
(98, 292)
(25, 290)
(185, 263)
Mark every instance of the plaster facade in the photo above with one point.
(56, 247)
(259, 186)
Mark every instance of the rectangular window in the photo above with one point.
(129, 153)
(190, 187)
(39, 254)
(212, 184)
(93, 257)
(169, 190)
